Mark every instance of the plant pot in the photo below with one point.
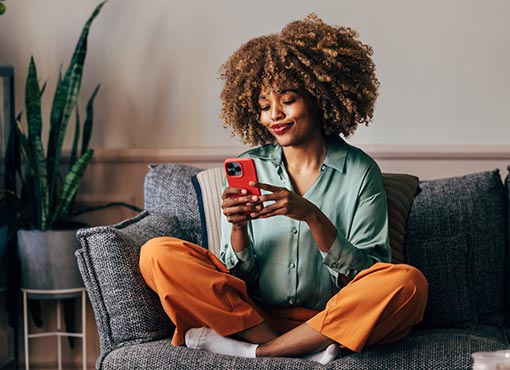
(3, 257)
(48, 262)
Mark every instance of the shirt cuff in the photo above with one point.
(241, 260)
(344, 258)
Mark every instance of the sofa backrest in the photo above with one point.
(168, 190)
(456, 237)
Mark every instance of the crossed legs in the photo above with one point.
(197, 292)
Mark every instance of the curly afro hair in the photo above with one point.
(329, 62)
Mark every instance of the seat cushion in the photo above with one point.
(126, 310)
(423, 349)
(456, 237)
(400, 191)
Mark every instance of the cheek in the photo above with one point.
(264, 118)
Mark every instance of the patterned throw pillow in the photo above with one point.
(400, 191)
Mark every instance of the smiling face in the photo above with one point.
(290, 115)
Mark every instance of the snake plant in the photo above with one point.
(47, 195)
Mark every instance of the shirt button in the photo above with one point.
(292, 265)
(293, 230)
(291, 301)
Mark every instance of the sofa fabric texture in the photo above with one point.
(456, 237)
(455, 234)
(125, 309)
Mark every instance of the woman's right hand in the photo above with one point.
(237, 205)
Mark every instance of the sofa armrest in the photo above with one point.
(126, 310)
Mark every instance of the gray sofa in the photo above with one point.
(457, 234)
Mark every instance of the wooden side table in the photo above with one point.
(59, 333)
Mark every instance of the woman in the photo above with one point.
(304, 267)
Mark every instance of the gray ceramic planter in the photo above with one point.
(47, 260)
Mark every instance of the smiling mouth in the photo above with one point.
(281, 128)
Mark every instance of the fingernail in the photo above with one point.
(254, 198)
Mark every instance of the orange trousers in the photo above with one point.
(380, 305)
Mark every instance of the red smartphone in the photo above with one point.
(239, 172)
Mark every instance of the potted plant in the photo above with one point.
(3, 244)
(45, 203)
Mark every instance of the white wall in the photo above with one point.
(443, 64)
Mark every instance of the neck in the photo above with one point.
(308, 157)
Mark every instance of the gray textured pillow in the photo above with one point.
(456, 237)
(126, 309)
(507, 266)
(168, 190)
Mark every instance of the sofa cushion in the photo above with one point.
(168, 190)
(400, 190)
(125, 308)
(208, 186)
(422, 349)
(456, 237)
(507, 259)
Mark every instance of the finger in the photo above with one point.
(229, 191)
(268, 211)
(239, 201)
(244, 208)
(267, 187)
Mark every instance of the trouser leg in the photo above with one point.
(195, 288)
(380, 305)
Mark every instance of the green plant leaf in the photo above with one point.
(36, 155)
(33, 101)
(70, 87)
(76, 140)
(87, 126)
(70, 187)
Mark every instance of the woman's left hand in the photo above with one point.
(285, 203)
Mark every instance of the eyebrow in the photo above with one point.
(284, 91)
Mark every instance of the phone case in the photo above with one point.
(239, 172)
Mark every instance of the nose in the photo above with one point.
(276, 113)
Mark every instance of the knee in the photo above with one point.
(412, 282)
(157, 250)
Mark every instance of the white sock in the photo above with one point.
(209, 340)
(324, 357)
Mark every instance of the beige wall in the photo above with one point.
(443, 65)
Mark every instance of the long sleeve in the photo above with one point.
(243, 264)
(366, 241)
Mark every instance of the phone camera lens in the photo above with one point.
(230, 165)
(237, 169)
(231, 172)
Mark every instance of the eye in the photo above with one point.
(264, 107)
(289, 101)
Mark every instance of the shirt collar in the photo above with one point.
(335, 156)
